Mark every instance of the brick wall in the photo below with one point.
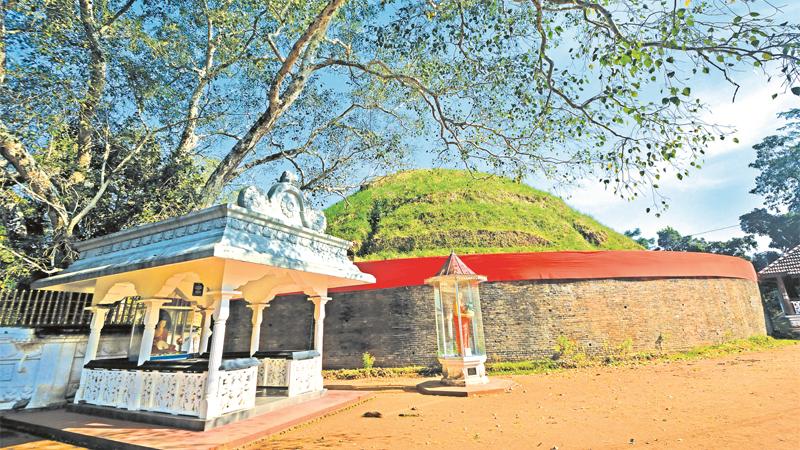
(522, 319)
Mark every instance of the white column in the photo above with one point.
(95, 326)
(152, 308)
(205, 332)
(783, 298)
(319, 319)
(211, 403)
(255, 333)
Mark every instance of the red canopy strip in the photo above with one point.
(560, 266)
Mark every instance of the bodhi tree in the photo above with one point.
(778, 160)
(124, 111)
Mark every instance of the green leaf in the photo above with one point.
(796, 90)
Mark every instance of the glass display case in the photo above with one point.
(459, 323)
(176, 332)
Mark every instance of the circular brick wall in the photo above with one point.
(523, 319)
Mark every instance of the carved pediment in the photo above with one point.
(285, 202)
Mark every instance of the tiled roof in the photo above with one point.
(788, 264)
(454, 266)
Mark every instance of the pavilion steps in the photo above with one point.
(105, 432)
(263, 406)
(18, 422)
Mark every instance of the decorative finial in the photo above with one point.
(288, 177)
(285, 202)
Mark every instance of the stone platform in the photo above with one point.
(109, 433)
(263, 405)
(494, 386)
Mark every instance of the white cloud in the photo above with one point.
(714, 196)
(753, 115)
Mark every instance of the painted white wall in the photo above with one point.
(44, 370)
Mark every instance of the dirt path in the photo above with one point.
(746, 401)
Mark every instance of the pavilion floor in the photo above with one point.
(263, 405)
(271, 415)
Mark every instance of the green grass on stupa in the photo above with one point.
(430, 212)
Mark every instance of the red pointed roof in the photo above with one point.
(454, 266)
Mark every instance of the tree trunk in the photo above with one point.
(303, 50)
(227, 167)
(94, 90)
(37, 180)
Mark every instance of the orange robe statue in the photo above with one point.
(463, 327)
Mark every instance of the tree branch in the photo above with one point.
(29, 172)
(94, 92)
(303, 51)
(117, 15)
(319, 25)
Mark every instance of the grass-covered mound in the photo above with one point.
(430, 212)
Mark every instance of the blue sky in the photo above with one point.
(710, 198)
(716, 195)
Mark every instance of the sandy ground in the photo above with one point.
(747, 401)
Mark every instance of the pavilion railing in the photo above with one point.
(796, 306)
(41, 308)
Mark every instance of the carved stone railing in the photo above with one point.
(305, 376)
(166, 392)
(237, 389)
(273, 372)
(172, 392)
(107, 387)
(296, 376)
(796, 306)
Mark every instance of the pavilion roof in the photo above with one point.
(787, 264)
(454, 266)
(277, 229)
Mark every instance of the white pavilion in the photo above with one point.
(185, 271)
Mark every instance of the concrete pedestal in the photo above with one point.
(464, 371)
